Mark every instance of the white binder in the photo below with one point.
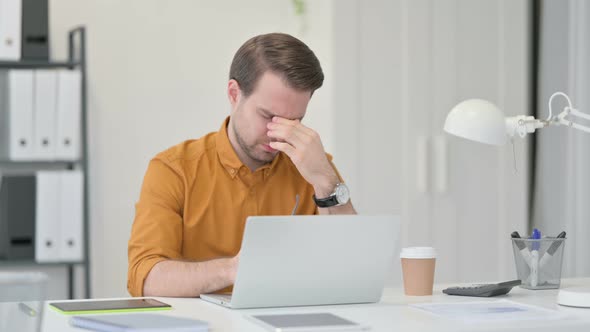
(44, 114)
(71, 215)
(16, 114)
(47, 226)
(10, 29)
(68, 115)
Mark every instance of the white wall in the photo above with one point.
(157, 76)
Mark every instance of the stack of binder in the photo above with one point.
(10, 29)
(24, 30)
(17, 217)
(41, 216)
(40, 115)
(58, 216)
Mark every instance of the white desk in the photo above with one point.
(392, 313)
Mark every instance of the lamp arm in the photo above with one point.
(558, 93)
(577, 113)
(560, 119)
(567, 111)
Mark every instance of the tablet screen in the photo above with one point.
(305, 321)
(110, 305)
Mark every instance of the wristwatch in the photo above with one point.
(340, 196)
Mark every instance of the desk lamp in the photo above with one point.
(481, 121)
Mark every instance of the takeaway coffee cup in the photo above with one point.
(418, 270)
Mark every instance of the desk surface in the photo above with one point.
(392, 313)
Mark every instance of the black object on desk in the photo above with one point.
(104, 306)
(483, 290)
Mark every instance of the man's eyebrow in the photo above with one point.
(271, 114)
(267, 112)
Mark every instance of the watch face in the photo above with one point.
(342, 194)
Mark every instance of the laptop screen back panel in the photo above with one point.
(314, 260)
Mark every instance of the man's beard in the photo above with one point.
(250, 150)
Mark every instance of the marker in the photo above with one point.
(552, 249)
(535, 257)
(524, 251)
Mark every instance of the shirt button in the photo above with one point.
(232, 171)
(252, 191)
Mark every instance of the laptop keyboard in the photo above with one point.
(224, 297)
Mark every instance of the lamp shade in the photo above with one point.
(477, 120)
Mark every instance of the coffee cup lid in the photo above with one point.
(418, 252)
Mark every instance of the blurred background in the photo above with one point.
(157, 74)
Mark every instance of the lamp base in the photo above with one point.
(574, 297)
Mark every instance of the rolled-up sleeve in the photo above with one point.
(156, 234)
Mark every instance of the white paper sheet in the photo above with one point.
(489, 311)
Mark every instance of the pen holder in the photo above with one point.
(538, 262)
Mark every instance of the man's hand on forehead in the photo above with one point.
(304, 147)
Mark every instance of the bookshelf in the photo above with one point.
(76, 61)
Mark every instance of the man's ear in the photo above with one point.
(233, 92)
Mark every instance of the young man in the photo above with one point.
(196, 196)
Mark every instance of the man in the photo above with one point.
(196, 196)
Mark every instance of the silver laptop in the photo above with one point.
(312, 260)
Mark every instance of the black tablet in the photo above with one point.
(104, 306)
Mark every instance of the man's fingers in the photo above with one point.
(295, 123)
(293, 133)
(278, 119)
(287, 148)
(305, 129)
(290, 136)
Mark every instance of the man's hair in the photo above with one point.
(283, 55)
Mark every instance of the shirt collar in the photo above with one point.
(228, 157)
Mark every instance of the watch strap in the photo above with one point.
(326, 202)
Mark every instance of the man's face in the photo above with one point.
(248, 132)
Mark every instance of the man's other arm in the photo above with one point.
(156, 265)
(190, 279)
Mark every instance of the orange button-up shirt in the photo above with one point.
(195, 199)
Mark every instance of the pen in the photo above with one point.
(552, 249)
(296, 205)
(27, 310)
(524, 251)
(535, 257)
